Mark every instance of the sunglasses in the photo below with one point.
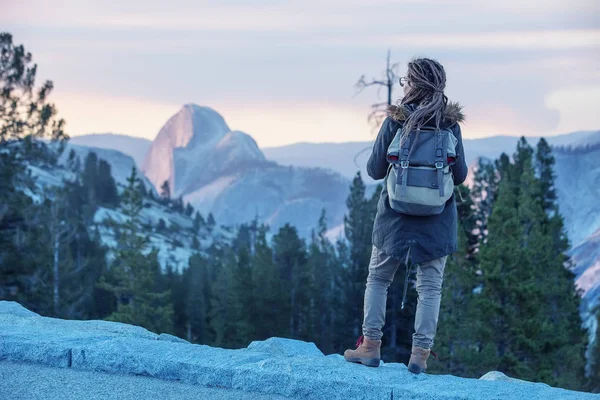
(403, 81)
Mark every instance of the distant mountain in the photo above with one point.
(348, 158)
(224, 172)
(120, 163)
(129, 145)
(194, 147)
(586, 260)
(578, 189)
(577, 171)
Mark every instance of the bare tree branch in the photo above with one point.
(390, 77)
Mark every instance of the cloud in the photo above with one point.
(517, 41)
(577, 107)
(489, 41)
(305, 16)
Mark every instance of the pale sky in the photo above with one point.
(284, 71)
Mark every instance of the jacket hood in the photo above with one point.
(453, 113)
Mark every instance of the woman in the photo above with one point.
(425, 240)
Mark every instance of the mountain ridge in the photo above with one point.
(317, 154)
(135, 147)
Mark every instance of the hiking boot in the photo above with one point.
(418, 359)
(367, 352)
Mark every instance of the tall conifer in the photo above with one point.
(134, 272)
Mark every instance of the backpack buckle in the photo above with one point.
(404, 164)
(439, 164)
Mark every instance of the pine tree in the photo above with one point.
(198, 222)
(321, 264)
(177, 205)
(224, 303)
(134, 273)
(161, 226)
(26, 116)
(358, 225)
(81, 256)
(522, 159)
(83, 298)
(544, 165)
(561, 333)
(528, 321)
(106, 188)
(503, 167)
(48, 260)
(195, 243)
(24, 256)
(72, 160)
(198, 298)
(338, 302)
(243, 285)
(172, 282)
(454, 339)
(504, 272)
(593, 384)
(558, 333)
(289, 254)
(165, 192)
(89, 178)
(234, 313)
(269, 319)
(211, 221)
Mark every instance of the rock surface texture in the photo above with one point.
(276, 366)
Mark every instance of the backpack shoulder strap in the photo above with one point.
(404, 162)
(439, 160)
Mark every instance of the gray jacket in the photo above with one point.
(429, 237)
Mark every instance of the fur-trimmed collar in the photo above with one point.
(453, 113)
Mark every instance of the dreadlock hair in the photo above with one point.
(427, 80)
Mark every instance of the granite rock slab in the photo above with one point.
(276, 366)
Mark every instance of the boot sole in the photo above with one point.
(369, 362)
(415, 369)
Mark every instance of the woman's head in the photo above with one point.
(424, 86)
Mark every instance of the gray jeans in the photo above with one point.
(382, 269)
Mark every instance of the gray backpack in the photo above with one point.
(419, 180)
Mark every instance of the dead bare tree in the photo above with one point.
(378, 110)
(386, 82)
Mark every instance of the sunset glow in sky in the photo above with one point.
(284, 71)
